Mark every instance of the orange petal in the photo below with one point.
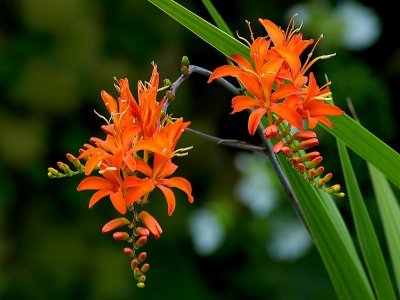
(318, 107)
(254, 119)
(118, 201)
(130, 161)
(268, 73)
(98, 196)
(151, 223)
(242, 62)
(137, 192)
(292, 59)
(110, 102)
(95, 183)
(224, 71)
(166, 166)
(274, 32)
(170, 197)
(289, 114)
(240, 103)
(180, 183)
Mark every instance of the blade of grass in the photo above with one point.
(389, 211)
(366, 235)
(219, 21)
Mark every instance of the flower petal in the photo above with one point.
(98, 196)
(254, 119)
(274, 32)
(289, 114)
(180, 183)
(170, 197)
(240, 103)
(118, 201)
(95, 183)
(151, 223)
(138, 191)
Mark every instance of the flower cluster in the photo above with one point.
(134, 159)
(279, 89)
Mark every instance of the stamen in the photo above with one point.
(102, 117)
(251, 31)
(243, 39)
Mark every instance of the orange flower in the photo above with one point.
(314, 108)
(157, 177)
(108, 185)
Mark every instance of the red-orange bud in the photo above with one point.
(306, 144)
(142, 256)
(301, 168)
(151, 223)
(142, 278)
(311, 174)
(310, 156)
(271, 131)
(121, 236)
(114, 224)
(142, 231)
(145, 268)
(128, 251)
(134, 263)
(278, 147)
(315, 162)
(319, 171)
(327, 177)
(73, 160)
(295, 160)
(136, 272)
(140, 242)
(287, 151)
(303, 135)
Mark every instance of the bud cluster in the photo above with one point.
(307, 164)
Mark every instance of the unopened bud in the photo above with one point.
(327, 177)
(310, 156)
(73, 160)
(136, 272)
(128, 251)
(335, 188)
(341, 194)
(140, 285)
(140, 242)
(311, 174)
(306, 144)
(167, 82)
(64, 167)
(271, 131)
(287, 151)
(319, 171)
(321, 182)
(142, 231)
(114, 224)
(121, 236)
(142, 256)
(303, 135)
(53, 173)
(185, 66)
(151, 223)
(315, 162)
(134, 264)
(145, 268)
(295, 160)
(301, 168)
(278, 147)
(142, 278)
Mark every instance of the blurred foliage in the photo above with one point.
(56, 57)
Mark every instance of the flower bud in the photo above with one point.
(327, 177)
(310, 156)
(136, 272)
(114, 224)
(128, 251)
(64, 167)
(142, 231)
(140, 285)
(278, 147)
(271, 131)
(311, 175)
(145, 268)
(73, 160)
(287, 151)
(301, 168)
(319, 171)
(185, 66)
(303, 135)
(121, 236)
(140, 242)
(151, 223)
(134, 264)
(315, 162)
(142, 278)
(142, 256)
(295, 160)
(53, 173)
(306, 144)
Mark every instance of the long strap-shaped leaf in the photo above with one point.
(356, 137)
(366, 235)
(389, 211)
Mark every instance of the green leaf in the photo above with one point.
(214, 36)
(331, 237)
(389, 211)
(366, 235)
(219, 21)
(367, 146)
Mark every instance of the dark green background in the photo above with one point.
(56, 57)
